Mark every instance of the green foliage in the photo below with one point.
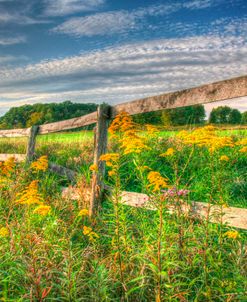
(28, 115)
(173, 117)
(244, 118)
(190, 115)
(225, 115)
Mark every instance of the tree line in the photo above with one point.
(38, 114)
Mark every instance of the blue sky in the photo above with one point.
(115, 51)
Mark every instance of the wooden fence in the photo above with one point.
(218, 91)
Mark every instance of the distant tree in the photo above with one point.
(184, 115)
(244, 118)
(173, 117)
(166, 118)
(28, 115)
(225, 115)
(148, 118)
(235, 117)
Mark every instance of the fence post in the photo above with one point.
(31, 143)
(100, 147)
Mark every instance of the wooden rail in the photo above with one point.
(17, 157)
(231, 216)
(15, 132)
(213, 92)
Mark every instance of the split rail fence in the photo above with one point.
(213, 92)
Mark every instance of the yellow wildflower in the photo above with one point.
(93, 167)
(152, 130)
(8, 166)
(110, 158)
(4, 232)
(232, 234)
(205, 137)
(112, 173)
(156, 181)
(42, 210)
(169, 152)
(224, 158)
(243, 150)
(122, 122)
(87, 231)
(83, 212)
(242, 142)
(133, 144)
(41, 164)
(30, 194)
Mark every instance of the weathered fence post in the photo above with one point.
(100, 147)
(31, 143)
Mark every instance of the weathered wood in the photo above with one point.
(62, 171)
(77, 122)
(218, 91)
(17, 157)
(15, 132)
(31, 143)
(100, 147)
(232, 216)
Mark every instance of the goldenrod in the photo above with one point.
(42, 210)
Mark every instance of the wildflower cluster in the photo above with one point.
(156, 181)
(224, 158)
(122, 122)
(83, 212)
(41, 164)
(30, 195)
(205, 137)
(169, 152)
(111, 160)
(174, 192)
(7, 167)
(92, 236)
(128, 134)
(232, 234)
(243, 144)
(42, 210)
(4, 232)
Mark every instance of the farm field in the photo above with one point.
(52, 251)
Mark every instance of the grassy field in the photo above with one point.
(51, 250)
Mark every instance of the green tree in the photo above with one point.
(225, 115)
(244, 118)
(28, 115)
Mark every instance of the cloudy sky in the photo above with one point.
(115, 51)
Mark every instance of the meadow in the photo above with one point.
(51, 250)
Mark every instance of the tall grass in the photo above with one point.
(125, 253)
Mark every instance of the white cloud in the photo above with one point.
(200, 4)
(111, 22)
(98, 24)
(126, 72)
(12, 40)
(11, 59)
(68, 7)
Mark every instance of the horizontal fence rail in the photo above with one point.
(17, 157)
(230, 216)
(218, 91)
(15, 132)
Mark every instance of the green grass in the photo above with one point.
(137, 254)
